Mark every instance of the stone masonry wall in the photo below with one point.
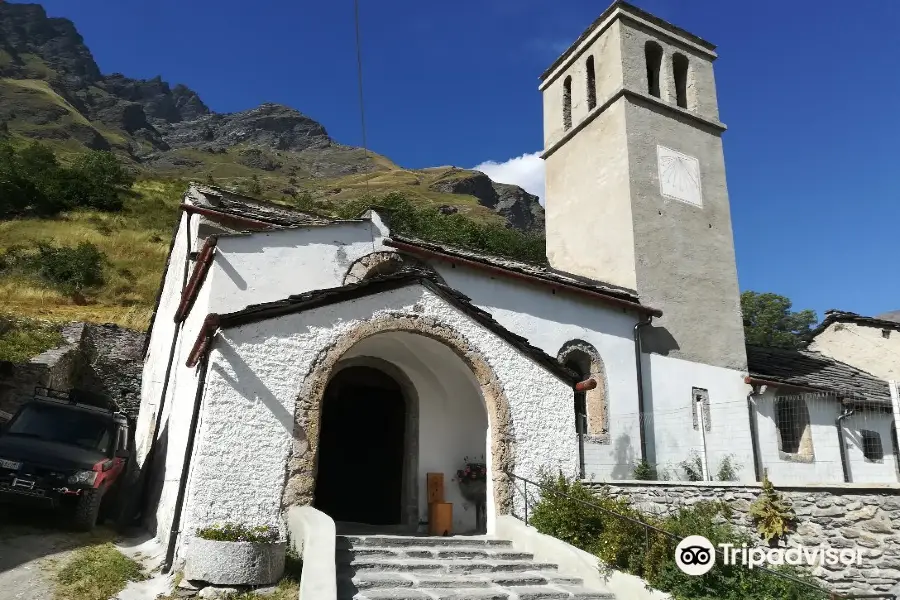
(837, 516)
(113, 361)
(105, 360)
(56, 368)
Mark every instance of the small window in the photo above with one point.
(792, 418)
(567, 103)
(653, 54)
(871, 445)
(680, 71)
(591, 84)
(701, 397)
(579, 365)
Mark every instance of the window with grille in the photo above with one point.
(871, 445)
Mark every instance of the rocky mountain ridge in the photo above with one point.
(52, 89)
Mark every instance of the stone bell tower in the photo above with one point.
(635, 179)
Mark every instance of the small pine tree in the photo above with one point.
(644, 471)
(773, 515)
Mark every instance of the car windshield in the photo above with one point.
(63, 426)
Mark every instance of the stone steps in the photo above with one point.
(382, 567)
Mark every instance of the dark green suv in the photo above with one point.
(59, 453)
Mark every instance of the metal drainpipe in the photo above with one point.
(185, 468)
(638, 354)
(754, 442)
(840, 431)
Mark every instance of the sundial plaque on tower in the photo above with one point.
(679, 176)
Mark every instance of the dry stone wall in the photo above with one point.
(839, 516)
(102, 360)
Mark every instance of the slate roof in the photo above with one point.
(889, 320)
(318, 298)
(813, 370)
(232, 203)
(540, 272)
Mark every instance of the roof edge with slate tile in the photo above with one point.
(539, 274)
(841, 316)
(815, 371)
(325, 297)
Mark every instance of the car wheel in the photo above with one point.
(87, 509)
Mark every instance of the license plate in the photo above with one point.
(10, 464)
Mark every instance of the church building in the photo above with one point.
(297, 359)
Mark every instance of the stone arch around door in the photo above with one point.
(302, 464)
(597, 399)
(410, 491)
(385, 263)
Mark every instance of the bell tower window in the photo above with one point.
(567, 103)
(680, 70)
(653, 54)
(591, 84)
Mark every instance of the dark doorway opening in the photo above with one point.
(361, 445)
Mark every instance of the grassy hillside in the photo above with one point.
(134, 241)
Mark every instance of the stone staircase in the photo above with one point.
(389, 567)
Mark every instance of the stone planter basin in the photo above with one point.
(234, 563)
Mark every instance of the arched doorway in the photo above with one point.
(361, 448)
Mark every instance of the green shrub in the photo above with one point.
(65, 268)
(455, 230)
(69, 269)
(772, 514)
(623, 544)
(728, 469)
(644, 471)
(231, 532)
(34, 183)
(692, 467)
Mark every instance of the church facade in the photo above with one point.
(296, 359)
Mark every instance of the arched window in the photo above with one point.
(567, 103)
(792, 421)
(591, 409)
(580, 363)
(591, 84)
(653, 53)
(680, 71)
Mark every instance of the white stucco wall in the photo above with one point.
(453, 422)
(826, 466)
(270, 266)
(175, 427)
(161, 337)
(863, 347)
(863, 470)
(550, 320)
(256, 374)
(671, 436)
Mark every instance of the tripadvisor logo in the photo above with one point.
(696, 555)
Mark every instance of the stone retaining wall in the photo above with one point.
(838, 516)
(105, 360)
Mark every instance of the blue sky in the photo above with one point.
(808, 89)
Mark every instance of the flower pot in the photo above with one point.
(473, 490)
(234, 563)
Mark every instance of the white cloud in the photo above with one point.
(526, 171)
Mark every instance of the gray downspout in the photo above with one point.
(840, 432)
(754, 442)
(186, 467)
(638, 354)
